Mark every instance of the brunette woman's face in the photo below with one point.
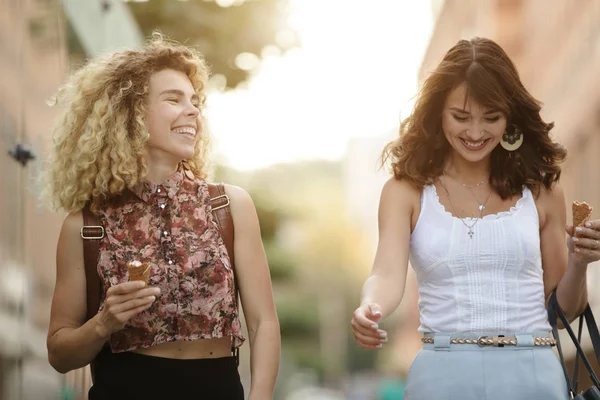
(472, 130)
(172, 116)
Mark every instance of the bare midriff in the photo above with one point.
(202, 348)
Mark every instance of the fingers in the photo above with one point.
(126, 307)
(370, 331)
(368, 342)
(125, 288)
(123, 306)
(588, 244)
(368, 316)
(365, 327)
(593, 224)
(591, 233)
(114, 299)
(374, 312)
(126, 316)
(570, 230)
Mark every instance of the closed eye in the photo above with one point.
(493, 119)
(460, 118)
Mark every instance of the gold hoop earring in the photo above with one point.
(511, 141)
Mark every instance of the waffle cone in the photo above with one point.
(138, 271)
(582, 212)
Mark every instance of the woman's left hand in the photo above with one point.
(584, 243)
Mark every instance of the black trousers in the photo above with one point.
(134, 376)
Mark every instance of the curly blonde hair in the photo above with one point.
(99, 140)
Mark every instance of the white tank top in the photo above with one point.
(492, 282)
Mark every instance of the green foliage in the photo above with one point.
(281, 262)
(220, 33)
(359, 359)
(298, 319)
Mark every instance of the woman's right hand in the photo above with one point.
(123, 301)
(365, 326)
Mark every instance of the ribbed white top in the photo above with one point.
(492, 282)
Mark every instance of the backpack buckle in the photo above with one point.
(215, 199)
(92, 232)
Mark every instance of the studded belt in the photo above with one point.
(496, 341)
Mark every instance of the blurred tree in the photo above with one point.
(271, 217)
(232, 34)
(303, 209)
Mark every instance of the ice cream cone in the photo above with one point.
(138, 271)
(582, 212)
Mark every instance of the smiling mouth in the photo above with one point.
(189, 131)
(474, 146)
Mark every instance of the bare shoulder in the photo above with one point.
(69, 252)
(243, 210)
(239, 198)
(71, 228)
(400, 192)
(551, 203)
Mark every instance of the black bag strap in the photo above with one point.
(554, 310)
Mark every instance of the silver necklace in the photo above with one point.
(469, 227)
(470, 188)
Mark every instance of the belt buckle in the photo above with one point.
(494, 341)
(482, 341)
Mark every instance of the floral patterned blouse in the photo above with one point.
(171, 226)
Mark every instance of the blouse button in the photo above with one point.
(170, 262)
(165, 233)
(158, 190)
(162, 206)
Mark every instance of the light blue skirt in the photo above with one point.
(445, 371)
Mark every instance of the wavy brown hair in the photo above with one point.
(491, 79)
(99, 140)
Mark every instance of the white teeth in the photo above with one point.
(473, 144)
(188, 130)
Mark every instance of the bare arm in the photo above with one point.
(563, 268)
(384, 289)
(73, 343)
(257, 295)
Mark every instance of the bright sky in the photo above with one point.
(354, 75)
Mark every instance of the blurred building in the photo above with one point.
(556, 47)
(35, 36)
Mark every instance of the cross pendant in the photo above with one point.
(470, 234)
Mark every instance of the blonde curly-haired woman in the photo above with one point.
(130, 145)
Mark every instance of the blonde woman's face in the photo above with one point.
(172, 117)
(472, 130)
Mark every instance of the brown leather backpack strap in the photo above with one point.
(220, 204)
(92, 233)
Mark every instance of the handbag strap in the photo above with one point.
(554, 310)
